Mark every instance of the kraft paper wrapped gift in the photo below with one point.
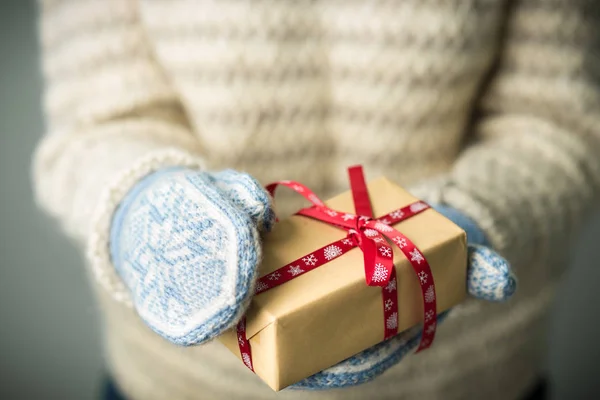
(330, 314)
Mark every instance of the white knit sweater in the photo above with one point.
(486, 105)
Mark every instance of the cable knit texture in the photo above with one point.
(487, 106)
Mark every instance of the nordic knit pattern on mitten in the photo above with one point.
(489, 276)
(187, 253)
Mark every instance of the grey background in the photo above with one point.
(49, 341)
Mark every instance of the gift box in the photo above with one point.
(331, 305)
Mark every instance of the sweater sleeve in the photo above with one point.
(531, 170)
(112, 118)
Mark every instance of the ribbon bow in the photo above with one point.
(369, 234)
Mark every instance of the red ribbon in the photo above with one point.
(369, 235)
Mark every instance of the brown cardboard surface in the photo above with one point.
(329, 314)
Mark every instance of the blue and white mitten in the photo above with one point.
(187, 244)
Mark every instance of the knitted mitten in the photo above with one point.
(187, 244)
(489, 277)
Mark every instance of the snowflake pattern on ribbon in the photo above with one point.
(385, 251)
(274, 276)
(312, 197)
(418, 206)
(310, 259)
(392, 321)
(422, 277)
(380, 226)
(430, 294)
(385, 221)
(429, 315)
(416, 256)
(391, 286)
(247, 360)
(430, 329)
(388, 304)
(379, 273)
(371, 233)
(331, 252)
(348, 217)
(397, 214)
(379, 240)
(331, 213)
(260, 286)
(400, 241)
(347, 242)
(295, 270)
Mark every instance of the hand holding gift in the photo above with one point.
(171, 243)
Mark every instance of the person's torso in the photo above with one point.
(302, 89)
